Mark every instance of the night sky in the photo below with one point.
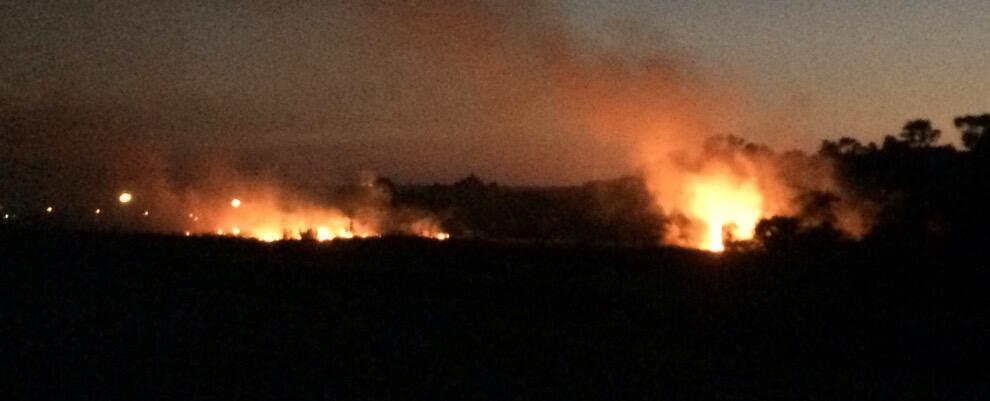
(111, 92)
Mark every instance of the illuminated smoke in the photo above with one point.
(720, 191)
(265, 210)
(439, 88)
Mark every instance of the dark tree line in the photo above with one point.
(617, 211)
(923, 191)
(917, 190)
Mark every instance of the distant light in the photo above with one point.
(188, 233)
(236, 231)
(442, 236)
(235, 203)
(125, 197)
(219, 231)
(145, 212)
(191, 215)
(49, 209)
(97, 211)
(6, 216)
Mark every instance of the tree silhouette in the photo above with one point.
(845, 146)
(919, 134)
(777, 232)
(974, 131)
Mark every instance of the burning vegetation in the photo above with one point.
(720, 194)
(269, 213)
(230, 205)
(522, 99)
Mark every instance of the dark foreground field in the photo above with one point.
(104, 316)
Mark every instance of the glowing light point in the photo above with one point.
(442, 236)
(6, 216)
(235, 203)
(145, 213)
(49, 209)
(219, 231)
(98, 211)
(125, 197)
(235, 231)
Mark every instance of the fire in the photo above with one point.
(726, 207)
(274, 215)
(267, 234)
(266, 213)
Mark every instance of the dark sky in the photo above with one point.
(561, 92)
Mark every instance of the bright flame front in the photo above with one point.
(725, 206)
(267, 218)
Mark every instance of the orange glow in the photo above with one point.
(724, 206)
(267, 234)
(714, 199)
(325, 234)
(272, 216)
(265, 212)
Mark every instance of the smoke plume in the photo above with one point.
(309, 93)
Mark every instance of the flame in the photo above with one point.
(266, 212)
(725, 206)
(266, 234)
(326, 234)
(272, 216)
